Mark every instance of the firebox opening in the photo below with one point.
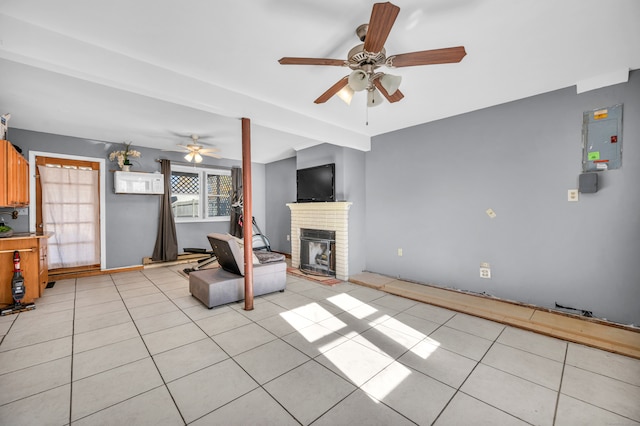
(317, 252)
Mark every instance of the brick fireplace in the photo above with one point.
(322, 216)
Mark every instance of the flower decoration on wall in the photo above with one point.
(122, 156)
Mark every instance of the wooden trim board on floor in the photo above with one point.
(92, 273)
(600, 334)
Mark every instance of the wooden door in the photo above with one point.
(62, 162)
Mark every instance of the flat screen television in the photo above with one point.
(317, 184)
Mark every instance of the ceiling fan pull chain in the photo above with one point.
(367, 115)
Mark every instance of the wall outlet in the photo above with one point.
(288, 237)
(572, 195)
(485, 272)
(399, 252)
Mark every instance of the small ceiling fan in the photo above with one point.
(196, 150)
(366, 58)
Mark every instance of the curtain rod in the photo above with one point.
(183, 163)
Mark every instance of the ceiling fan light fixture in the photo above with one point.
(189, 156)
(358, 80)
(197, 157)
(373, 98)
(346, 94)
(391, 83)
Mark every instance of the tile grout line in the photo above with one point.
(73, 337)
(564, 364)
(8, 330)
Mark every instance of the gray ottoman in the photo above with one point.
(215, 287)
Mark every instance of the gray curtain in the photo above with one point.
(166, 248)
(236, 202)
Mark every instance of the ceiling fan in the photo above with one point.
(366, 58)
(196, 150)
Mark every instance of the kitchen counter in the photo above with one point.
(33, 264)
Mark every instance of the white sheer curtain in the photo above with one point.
(70, 209)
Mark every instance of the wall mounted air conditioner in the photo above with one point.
(138, 183)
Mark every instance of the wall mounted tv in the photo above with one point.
(317, 184)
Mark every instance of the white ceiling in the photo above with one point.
(154, 71)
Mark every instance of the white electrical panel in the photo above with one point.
(138, 183)
(602, 139)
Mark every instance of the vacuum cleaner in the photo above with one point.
(18, 290)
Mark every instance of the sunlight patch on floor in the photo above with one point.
(295, 320)
(360, 358)
(383, 385)
(313, 311)
(363, 311)
(345, 301)
(403, 328)
(425, 348)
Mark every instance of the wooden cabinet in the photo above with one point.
(14, 177)
(43, 246)
(33, 263)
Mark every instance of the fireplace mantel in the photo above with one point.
(325, 216)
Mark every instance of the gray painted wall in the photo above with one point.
(354, 191)
(281, 176)
(427, 189)
(132, 220)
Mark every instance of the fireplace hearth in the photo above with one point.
(317, 252)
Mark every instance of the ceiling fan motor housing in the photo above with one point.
(363, 62)
(358, 58)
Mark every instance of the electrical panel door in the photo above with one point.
(602, 139)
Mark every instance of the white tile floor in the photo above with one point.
(137, 349)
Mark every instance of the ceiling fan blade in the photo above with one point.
(382, 19)
(210, 154)
(208, 150)
(397, 95)
(428, 57)
(184, 149)
(312, 61)
(332, 90)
